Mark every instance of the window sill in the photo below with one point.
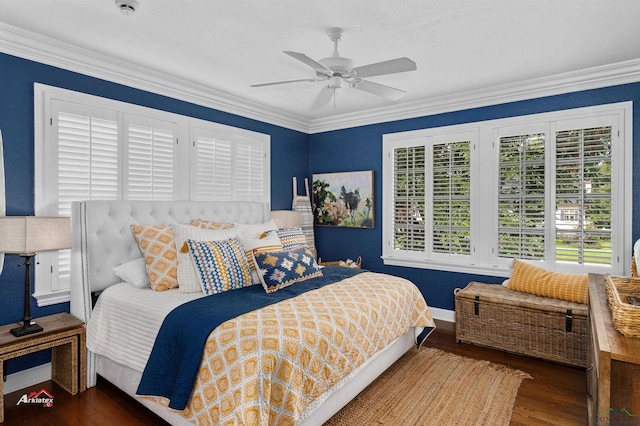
(52, 298)
(492, 271)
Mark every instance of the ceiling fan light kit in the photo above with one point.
(335, 70)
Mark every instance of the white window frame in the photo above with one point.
(484, 187)
(49, 289)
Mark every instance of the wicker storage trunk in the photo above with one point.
(493, 316)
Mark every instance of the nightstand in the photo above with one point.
(65, 336)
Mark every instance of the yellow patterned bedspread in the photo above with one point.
(266, 366)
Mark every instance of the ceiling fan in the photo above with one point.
(337, 70)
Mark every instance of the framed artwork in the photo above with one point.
(343, 199)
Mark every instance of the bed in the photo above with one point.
(123, 322)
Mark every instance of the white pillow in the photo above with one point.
(188, 280)
(255, 230)
(133, 272)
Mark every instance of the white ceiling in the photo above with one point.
(220, 48)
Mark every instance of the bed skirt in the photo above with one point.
(127, 379)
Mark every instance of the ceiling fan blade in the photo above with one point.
(380, 90)
(386, 67)
(284, 82)
(324, 96)
(308, 61)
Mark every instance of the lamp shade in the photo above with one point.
(30, 234)
(286, 218)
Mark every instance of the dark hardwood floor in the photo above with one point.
(555, 396)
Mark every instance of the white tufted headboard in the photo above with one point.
(101, 237)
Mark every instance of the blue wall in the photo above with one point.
(360, 148)
(292, 154)
(289, 157)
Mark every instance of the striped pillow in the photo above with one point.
(559, 285)
(220, 265)
(291, 238)
(187, 275)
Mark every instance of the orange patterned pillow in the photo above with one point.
(559, 285)
(207, 224)
(158, 248)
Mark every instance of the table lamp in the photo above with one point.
(286, 218)
(26, 235)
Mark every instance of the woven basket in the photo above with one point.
(357, 264)
(626, 317)
(497, 317)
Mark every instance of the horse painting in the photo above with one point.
(343, 199)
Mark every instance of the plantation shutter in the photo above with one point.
(249, 176)
(87, 155)
(87, 165)
(92, 148)
(583, 195)
(150, 159)
(228, 167)
(213, 166)
(521, 196)
(409, 171)
(451, 199)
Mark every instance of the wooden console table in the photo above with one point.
(65, 336)
(613, 375)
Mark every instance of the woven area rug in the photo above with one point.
(433, 387)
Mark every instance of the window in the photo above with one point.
(451, 198)
(409, 198)
(95, 148)
(550, 188)
(228, 166)
(521, 196)
(432, 174)
(149, 173)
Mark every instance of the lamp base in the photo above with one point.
(26, 329)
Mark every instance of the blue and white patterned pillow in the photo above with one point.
(220, 265)
(279, 269)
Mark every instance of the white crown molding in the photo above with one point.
(27, 45)
(24, 44)
(590, 78)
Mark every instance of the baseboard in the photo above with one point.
(26, 378)
(443, 314)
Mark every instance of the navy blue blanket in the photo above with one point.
(175, 358)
